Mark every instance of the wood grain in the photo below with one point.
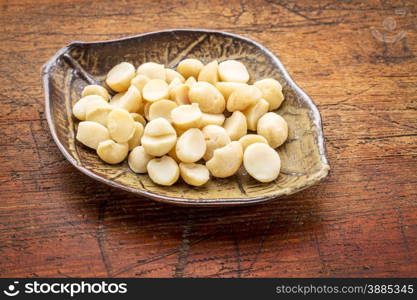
(362, 221)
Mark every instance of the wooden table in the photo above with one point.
(361, 221)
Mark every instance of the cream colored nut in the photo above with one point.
(131, 100)
(227, 88)
(262, 162)
(190, 81)
(161, 109)
(99, 115)
(112, 152)
(215, 137)
(163, 171)
(179, 94)
(208, 97)
(209, 72)
(190, 67)
(236, 125)
(194, 174)
(152, 70)
(191, 146)
(173, 83)
(254, 112)
(226, 160)
(138, 118)
(271, 92)
(88, 102)
(91, 133)
(159, 127)
(116, 98)
(134, 141)
(243, 97)
(211, 119)
(119, 77)
(186, 116)
(274, 128)
(159, 137)
(141, 110)
(233, 71)
(95, 89)
(146, 110)
(138, 159)
(250, 139)
(173, 153)
(91, 105)
(155, 89)
(121, 125)
(139, 81)
(172, 74)
(160, 145)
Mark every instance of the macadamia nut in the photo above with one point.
(179, 94)
(191, 146)
(91, 133)
(262, 162)
(173, 153)
(209, 72)
(146, 108)
(161, 109)
(99, 114)
(173, 83)
(119, 77)
(271, 91)
(212, 119)
(138, 118)
(236, 125)
(95, 89)
(163, 171)
(87, 103)
(190, 67)
(227, 88)
(131, 100)
(226, 160)
(208, 97)
(274, 128)
(186, 116)
(254, 112)
(159, 137)
(152, 71)
(171, 75)
(187, 121)
(134, 141)
(138, 159)
(190, 81)
(139, 81)
(243, 97)
(155, 89)
(121, 125)
(250, 139)
(112, 152)
(194, 174)
(215, 137)
(233, 71)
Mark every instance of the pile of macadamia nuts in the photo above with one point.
(191, 122)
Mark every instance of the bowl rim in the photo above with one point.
(219, 202)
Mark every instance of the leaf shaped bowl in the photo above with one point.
(303, 156)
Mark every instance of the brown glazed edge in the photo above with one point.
(218, 202)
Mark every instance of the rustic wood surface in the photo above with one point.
(361, 221)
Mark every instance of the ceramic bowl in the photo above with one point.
(303, 156)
